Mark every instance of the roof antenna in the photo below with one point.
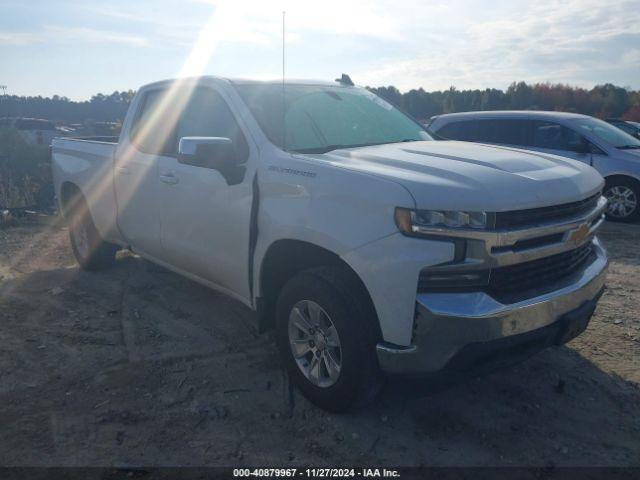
(345, 80)
(284, 132)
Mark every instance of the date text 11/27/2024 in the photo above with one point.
(316, 472)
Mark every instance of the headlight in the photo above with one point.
(411, 222)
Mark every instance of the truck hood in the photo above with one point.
(452, 175)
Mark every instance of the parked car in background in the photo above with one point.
(632, 128)
(614, 153)
(36, 131)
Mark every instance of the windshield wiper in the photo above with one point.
(629, 147)
(329, 148)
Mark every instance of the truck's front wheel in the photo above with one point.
(326, 339)
(90, 250)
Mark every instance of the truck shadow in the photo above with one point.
(157, 370)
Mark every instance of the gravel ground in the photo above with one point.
(138, 366)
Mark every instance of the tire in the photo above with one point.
(623, 194)
(89, 249)
(343, 302)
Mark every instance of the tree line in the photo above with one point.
(601, 101)
(100, 108)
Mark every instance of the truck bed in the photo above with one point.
(87, 163)
(96, 138)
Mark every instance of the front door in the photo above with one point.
(204, 219)
(556, 139)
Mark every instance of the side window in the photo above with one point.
(554, 136)
(153, 128)
(207, 115)
(458, 131)
(502, 131)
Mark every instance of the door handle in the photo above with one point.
(169, 178)
(123, 170)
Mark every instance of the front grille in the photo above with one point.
(511, 282)
(539, 273)
(533, 216)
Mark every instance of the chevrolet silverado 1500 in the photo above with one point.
(369, 248)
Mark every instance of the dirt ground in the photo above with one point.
(138, 366)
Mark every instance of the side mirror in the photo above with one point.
(216, 153)
(581, 147)
(207, 152)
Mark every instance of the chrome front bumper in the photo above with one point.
(448, 323)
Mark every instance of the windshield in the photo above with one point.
(610, 134)
(322, 118)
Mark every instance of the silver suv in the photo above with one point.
(614, 153)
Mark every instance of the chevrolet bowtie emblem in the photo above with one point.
(579, 234)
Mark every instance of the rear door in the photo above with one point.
(205, 220)
(151, 138)
(503, 131)
(461, 130)
(513, 132)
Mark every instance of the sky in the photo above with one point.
(78, 48)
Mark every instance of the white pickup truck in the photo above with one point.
(369, 248)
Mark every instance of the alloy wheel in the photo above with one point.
(315, 343)
(81, 239)
(622, 201)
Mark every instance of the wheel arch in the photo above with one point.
(625, 176)
(70, 196)
(282, 261)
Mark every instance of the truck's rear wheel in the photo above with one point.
(90, 250)
(326, 339)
